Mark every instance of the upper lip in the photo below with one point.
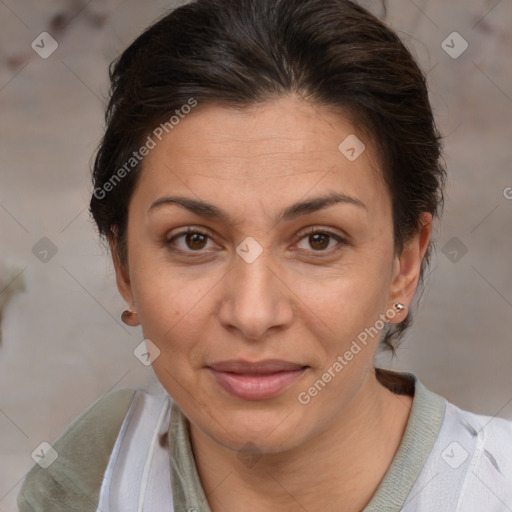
(259, 367)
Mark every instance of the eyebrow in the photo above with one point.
(298, 209)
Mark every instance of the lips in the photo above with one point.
(258, 368)
(256, 381)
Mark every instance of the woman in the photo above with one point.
(267, 182)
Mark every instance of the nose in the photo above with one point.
(257, 296)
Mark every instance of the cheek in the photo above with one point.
(157, 288)
(172, 306)
(349, 296)
(353, 310)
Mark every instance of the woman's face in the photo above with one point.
(276, 272)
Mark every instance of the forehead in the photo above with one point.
(285, 147)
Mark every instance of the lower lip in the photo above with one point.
(256, 387)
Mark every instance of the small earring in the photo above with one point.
(129, 317)
(399, 307)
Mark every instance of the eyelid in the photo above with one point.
(321, 229)
(189, 229)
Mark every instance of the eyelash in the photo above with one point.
(311, 231)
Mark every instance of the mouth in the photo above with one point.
(256, 381)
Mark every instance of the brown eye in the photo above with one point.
(194, 242)
(320, 240)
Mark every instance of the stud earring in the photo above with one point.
(129, 317)
(399, 307)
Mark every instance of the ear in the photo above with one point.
(122, 275)
(407, 265)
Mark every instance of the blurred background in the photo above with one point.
(64, 344)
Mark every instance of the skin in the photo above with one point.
(301, 300)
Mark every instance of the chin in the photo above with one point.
(268, 431)
(258, 443)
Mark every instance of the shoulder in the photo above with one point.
(494, 446)
(474, 454)
(69, 475)
(492, 434)
(489, 480)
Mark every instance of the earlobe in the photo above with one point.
(408, 265)
(130, 317)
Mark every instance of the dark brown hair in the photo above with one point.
(243, 52)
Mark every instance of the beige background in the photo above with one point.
(63, 343)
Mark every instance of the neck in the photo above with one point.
(338, 470)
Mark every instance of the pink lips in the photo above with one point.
(256, 381)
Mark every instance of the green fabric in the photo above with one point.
(187, 491)
(427, 414)
(426, 417)
(73, 482)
